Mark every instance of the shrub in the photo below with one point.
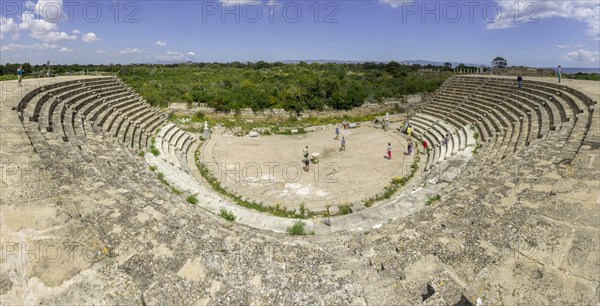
(192, 199)
(152, 168)
(345, 210)
(297, 228)
(154, 151)
(198, 117)
(141, 153)
(433, 199)
(226, 214)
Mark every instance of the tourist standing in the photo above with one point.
(410, 146)
(425, 146)
(306, 160)
(389, 150)
(409, 131)
(343, 148)
(20, 74)
(559, 72)
(520, 81)
(337, 132)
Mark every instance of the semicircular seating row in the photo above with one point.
(504, 117)
(79, 110)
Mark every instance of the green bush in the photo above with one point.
(297, 228)
(345, 210)
(154, 151)
(433, 199)
(192, 199)
(226, 214)
(294, 87)
(152, 168)
(198, 117)
(141, 153)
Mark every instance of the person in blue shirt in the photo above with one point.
(20, 74)
(343, 148)
(337, 132)
(559, 72)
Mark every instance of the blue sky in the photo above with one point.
(541, 34)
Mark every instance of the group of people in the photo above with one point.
(558, 74)
(407, 128)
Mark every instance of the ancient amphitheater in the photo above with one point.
(85, 221)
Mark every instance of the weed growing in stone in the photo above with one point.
(432, 199)
(227, 214)
(297, 228)
(345, 210)
(192, 199)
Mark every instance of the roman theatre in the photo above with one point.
(106, 201)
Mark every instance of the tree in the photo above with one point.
(499, 62)
(448, 65)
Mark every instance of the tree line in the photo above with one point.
(262, 85)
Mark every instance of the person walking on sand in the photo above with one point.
(337, 132)
(410, 146)
(20, 74)
(389, 150)
(343, 148)
(559, 73)
(305, 152)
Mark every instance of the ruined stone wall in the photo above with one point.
(388, 105)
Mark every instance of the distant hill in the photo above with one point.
(405, 62)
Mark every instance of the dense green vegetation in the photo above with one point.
(294, 87)
(582, 76)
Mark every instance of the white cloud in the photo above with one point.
(174, 56)
(65, 49)
(52, 36)
(102, 51)
(8, 25)
(49, 10)
(395, 3)
(30, 23)
(29, 5)
(531, 12)
(130, 51)
(582, 56)
(569, 46)
(160, 43)
(89, 37)
(76, 31)
(44, 46)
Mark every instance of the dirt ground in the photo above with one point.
(269, 169)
